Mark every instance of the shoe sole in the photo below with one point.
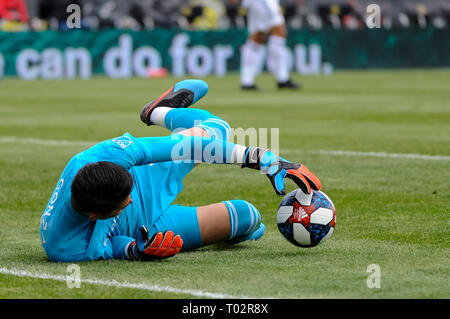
(182, 98)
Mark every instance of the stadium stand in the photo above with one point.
(220, 14)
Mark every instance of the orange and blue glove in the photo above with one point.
(159, 246)
(277, 169)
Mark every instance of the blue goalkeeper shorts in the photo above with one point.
(183, 221)
(156, 188)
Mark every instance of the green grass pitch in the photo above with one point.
(392, 210)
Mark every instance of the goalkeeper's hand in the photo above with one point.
(160, 246)
(276, 169)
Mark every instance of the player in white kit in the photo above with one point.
(265, 24)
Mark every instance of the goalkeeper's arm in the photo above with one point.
(129, 151)
(177, 147)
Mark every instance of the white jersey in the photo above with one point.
(262, 15)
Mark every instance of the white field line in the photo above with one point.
(116, 284)
(10, 139)
(369, 154)
(18, 140)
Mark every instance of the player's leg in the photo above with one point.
(253, 50)
(179, 120)
(245, 221)
(232, 221)
(252, 58)
(165, 112)
(276, 44)
(276, 47)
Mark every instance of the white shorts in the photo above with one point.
(262, 15)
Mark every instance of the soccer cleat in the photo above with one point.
(289, 84)
(183, 94)
(249, 87)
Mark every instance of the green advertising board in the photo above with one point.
(119, 53)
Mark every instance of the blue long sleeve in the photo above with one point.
(129, 151)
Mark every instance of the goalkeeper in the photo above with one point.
(114, 200)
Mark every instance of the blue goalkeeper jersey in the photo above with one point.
(69, 236)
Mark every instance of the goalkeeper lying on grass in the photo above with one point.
(114, 200)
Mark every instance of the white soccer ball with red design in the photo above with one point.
(306, 220)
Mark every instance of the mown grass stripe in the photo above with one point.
(117, 284)
(11, 139)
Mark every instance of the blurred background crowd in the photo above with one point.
(17, 15)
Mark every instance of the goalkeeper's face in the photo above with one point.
(115, 212)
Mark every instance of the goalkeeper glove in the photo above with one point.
(276, 169)
(160, 246)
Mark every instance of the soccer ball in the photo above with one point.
(306, 220)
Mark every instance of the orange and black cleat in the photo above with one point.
(181, 95)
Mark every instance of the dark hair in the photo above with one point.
(100, 188)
